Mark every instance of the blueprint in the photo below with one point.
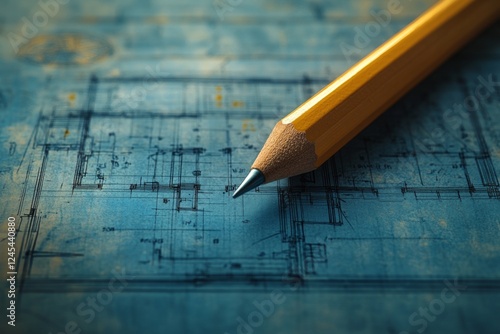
(126, 126)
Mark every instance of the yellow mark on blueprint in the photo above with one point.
(237, 104)
(247, 125)
(72, 99)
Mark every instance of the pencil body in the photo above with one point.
(318, 128)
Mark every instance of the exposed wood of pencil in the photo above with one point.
(318, 128)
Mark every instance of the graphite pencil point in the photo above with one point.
(254, 179)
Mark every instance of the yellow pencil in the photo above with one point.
(318, 128)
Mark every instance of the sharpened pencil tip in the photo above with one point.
(254, 179)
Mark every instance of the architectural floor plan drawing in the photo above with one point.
(124, 134)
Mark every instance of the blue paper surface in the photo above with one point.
(126, 126)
